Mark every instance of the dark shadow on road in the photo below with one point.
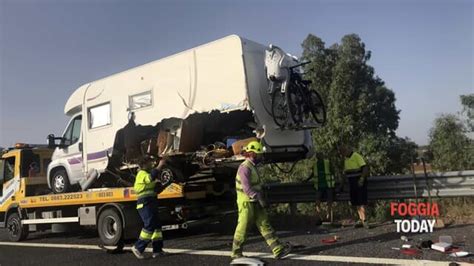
(80, 234)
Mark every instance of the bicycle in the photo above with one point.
(292, 98)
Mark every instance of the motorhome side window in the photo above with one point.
(73, 132)
(99, 116)
(140, 100)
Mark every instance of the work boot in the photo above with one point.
(137, 253)
(358, 224)
(159, 254)
(237, 256)
(284, 252)
(366, 225)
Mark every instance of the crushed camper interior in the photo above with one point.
(202, 141)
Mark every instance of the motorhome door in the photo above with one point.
(71, 149)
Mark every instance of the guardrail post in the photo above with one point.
(293, 209)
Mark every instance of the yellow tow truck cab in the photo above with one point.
(27, 205)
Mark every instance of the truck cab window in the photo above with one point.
(2, 170)
(29, 163)
(73, 132)
(76, 129)
(9, 168)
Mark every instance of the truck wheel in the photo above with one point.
(60, 181)
(110, 227)
(16, 231)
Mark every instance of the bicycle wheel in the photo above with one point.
(280, 112)
(316, 107)
(295, 105)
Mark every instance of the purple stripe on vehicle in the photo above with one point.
(98, 155)
(75, 160)
(90, 156)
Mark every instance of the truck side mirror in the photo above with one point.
(51, 142)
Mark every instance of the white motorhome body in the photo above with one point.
(227, 74)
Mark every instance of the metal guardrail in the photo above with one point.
(447, 184)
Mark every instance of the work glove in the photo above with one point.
(159, 187)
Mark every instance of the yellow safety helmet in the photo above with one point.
(254, 146)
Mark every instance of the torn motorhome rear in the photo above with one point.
(194, 104)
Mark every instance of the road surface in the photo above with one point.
(210, 245)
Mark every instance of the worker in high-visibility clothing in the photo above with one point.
(147, 186)
(356, 172)
(251, 204)
(324, 182)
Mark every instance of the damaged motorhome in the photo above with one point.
(197, 108)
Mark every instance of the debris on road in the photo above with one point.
(426, 243)
(459, 254)
(440, 246)
(247, 261)
(444, 244)
(410, 251)
(329, 240)
(445, 239)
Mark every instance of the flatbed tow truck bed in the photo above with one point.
(27, 206)
(95, 196)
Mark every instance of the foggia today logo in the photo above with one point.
(422, 209)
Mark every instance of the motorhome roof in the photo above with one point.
(74, 103)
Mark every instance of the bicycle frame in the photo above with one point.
(284, 84)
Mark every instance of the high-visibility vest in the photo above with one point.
(144, 186)
(327, 175)
(353, 165)
(255, 182)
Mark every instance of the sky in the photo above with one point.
(423, 50)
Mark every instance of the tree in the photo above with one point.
(468, 108)
(403, 152)
(451, 148)
(360, 108)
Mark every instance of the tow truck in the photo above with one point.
(27, 205)
(197, 108)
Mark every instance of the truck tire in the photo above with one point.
(60, 181)
(16, 231)
(110, 227)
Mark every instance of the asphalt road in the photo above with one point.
(361, 243)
